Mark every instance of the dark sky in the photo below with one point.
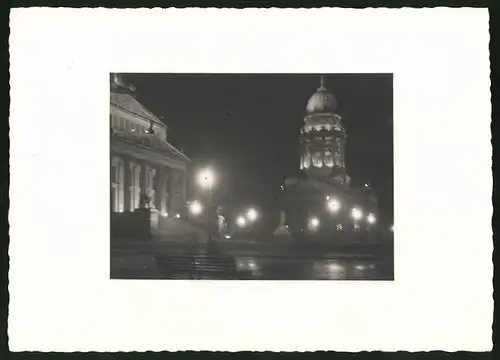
(248, 125)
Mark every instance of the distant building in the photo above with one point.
(142, 160)
(322, 201)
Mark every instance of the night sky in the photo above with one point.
(247, 126)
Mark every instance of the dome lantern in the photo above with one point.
(322, 101)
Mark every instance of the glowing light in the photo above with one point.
(335, 268)
(165, 214)
(327, 198)
(371, 218)
(178, 216)
(313, 223)
(227, 236)
(195, 208)
(252, 265)
(340, 227)
(360, 267)
(252, 214)
(333, 205)
(318, 127)
(392, 228)
(206, 178)
(241, 221)
(356, 214)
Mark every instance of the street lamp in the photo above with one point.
(357, 214)
(206, 180)
(371, 219)
(195, 208)
(241, 221)
(252, 214)
(333, 205)
(313, 223)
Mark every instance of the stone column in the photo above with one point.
(158, 188)
(126, 183)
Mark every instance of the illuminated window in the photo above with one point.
(135, 185)
(338, 159)
(317, 159)
(307, 160)
(328, 158)
(117, 183)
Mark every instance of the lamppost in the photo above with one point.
(206, 181)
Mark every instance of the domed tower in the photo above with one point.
(323, 138)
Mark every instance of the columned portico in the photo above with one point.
(142, 160)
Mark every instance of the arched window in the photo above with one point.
(338, 159)
(307, 159)
(328, 158)
(338, 142)
(117, 184)
(317, 158)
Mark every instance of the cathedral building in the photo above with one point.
(322, 201)
(143, 162)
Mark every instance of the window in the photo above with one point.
(150, 187)
(317, 159)
(338, 159)
(338, 142)
(135, 186)
(307, 160)
(328, 158)
(117, 184)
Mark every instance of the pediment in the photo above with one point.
(128, 103)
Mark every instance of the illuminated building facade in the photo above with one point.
(322, 200)
(142, 160)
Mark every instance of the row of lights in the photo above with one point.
(250, 216)
(320, 127)
(165, 214)
(333, 205)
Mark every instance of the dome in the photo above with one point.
(322, 101)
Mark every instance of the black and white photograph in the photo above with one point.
(254, 179)
(251, 176)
